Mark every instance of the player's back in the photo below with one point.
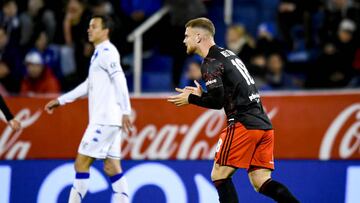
(242, 100)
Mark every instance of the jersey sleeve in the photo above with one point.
(214, 98)
(6, 111)
(122, 93)
(79, 91)
(110, 62)
(213, 74)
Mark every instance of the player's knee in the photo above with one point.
(111, 169)
(214, 176)
(217, 174)
(256, 185)
(256, 182)
(257, 179)
(108, 169)
(81, 167)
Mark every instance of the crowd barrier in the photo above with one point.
(315, 125)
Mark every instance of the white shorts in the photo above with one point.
(101, 141)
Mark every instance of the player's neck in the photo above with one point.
(204, 48)
(100, 41)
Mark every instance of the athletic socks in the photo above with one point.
(277, 192)
(79, 188)
(226, 191)
(120, 189)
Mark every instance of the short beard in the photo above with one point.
(190, 51)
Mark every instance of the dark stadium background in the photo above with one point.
(303, 55)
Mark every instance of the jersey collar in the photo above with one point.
(102, 44)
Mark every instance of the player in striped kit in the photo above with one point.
(248, 140)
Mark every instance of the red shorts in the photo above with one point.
(242, 148)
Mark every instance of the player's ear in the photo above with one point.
(198, 38)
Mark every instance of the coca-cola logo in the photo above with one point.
(194, 140)
(180, 141)
(10, 145)
(175, 140)
(350, 139)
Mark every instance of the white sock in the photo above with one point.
(120, 189)
(79, 188)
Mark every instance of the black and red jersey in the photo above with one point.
(230, 86)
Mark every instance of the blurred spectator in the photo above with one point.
(9, 83)
(266, 40)
(192, 71)
(39, 78)
(293, 13)
(134, 13)
(276, 78)
(36, 18)
(335, 12)
(334, 65)
(238, 41)
(139, 10)
(75, 24)
(10, 21)
(257, 68)
(181, 11)
(118, 34)
(9, 54)
(50, 55)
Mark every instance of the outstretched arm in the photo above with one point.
(79, 91)
(213, 99)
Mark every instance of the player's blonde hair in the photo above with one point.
(203, 23)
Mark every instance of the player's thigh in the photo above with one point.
(258, 177)
(83, 163)
(236, 146)
(112, 166)
(114, 151)
(221, 172)
(263, 156)
(97, 141)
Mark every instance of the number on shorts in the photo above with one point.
(218, 145)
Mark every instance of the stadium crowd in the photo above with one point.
(310, 44)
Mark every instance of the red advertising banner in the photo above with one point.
(308, 125)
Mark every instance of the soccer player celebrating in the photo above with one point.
(109, 111)
(248, 140)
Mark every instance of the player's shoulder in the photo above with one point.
(224, 54)
(218, 54)
(109, 49)
(214, 56)
(212, 63)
